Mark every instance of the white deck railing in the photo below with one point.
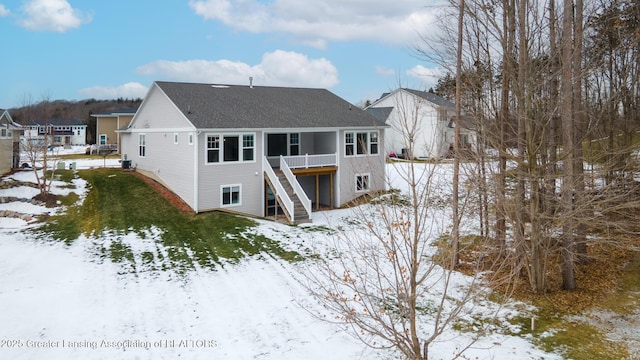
(307, 161)
(279, 190)
(297, 189)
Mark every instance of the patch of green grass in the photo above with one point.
(69, 199)
(319, 229)
(626, 300)
(120, 252)
(120, 202)
(62, 175)
(575, 340)
(392, 198)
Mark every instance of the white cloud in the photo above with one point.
(319, 21)
(52, 15)
(4, 11)
(130, 90)
(427, 76)
(385, 71)
(278, 68)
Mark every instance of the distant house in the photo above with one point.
(421, 124)
(108, 122)
(64, 131)
(255, 150)
(9, 142)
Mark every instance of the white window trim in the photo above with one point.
(230, 186)
(355, 184)
(290, 144)
(190, 139)
(243, 148)
(371, 142)
(105, 139)
(221, 148)
(356, 145)
(175, 138)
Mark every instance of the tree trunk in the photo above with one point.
(580, 124)
(568, 178)
(455, 231)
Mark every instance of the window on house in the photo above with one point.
(230, 195)
(349, 144)
(103, 139)
(213, 148)
(231, 148)
(190, 139)
(373, 142)
(175, 138)
(362, 182)
(247, 147)
(142, 145)
(294, 144)
(3, 132)
(361, 143)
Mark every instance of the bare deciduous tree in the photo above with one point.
(39, 148)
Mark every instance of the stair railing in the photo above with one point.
(280, 193)
(297, 189)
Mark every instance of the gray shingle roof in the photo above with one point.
(57, 122)
(438, 100)
(234, 106)
(381, 113)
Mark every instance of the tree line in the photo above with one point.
(554, 92)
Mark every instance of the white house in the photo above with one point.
(254, 149)
(64, 131)
(420, 124)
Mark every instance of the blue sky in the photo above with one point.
(72, 49)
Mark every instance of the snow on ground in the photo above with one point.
(65, 301)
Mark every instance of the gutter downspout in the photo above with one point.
(339, 146)
(196, 173)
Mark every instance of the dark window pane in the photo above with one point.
(362, 143)
(247, 154)
(226, 196)
(231, 148)
(349, 149)
(213, 156)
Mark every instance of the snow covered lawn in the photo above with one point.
(62, 301)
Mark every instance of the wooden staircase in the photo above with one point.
(299, 214)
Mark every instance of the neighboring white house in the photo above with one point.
(9, 142)
(64, 131)
(420, 124)
(255, 150)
